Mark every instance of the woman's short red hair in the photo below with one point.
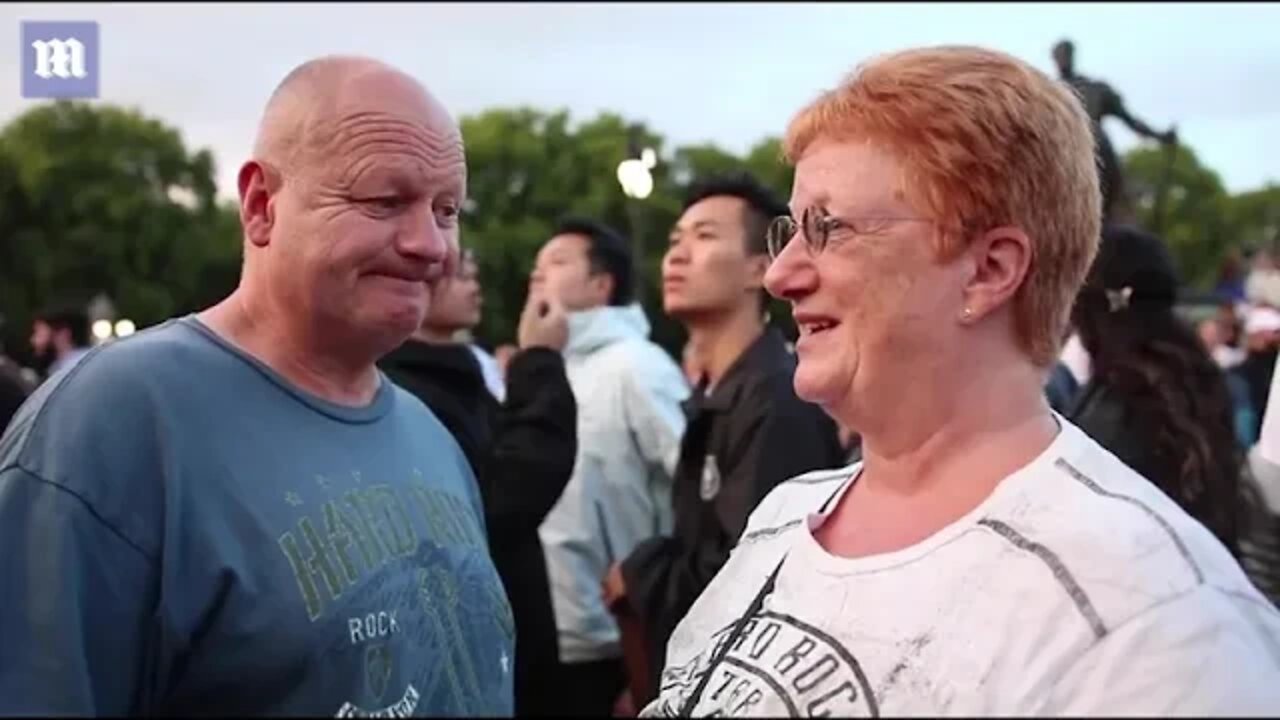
(987, 141)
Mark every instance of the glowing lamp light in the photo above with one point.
(102, 329)
(125, 328)
(635, 179)
(634, 176)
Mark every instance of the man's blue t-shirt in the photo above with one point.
(182, 531)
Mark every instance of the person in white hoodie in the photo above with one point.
(630, 423)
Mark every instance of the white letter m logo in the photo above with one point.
(60, 58)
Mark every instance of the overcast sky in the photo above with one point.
(726, 73)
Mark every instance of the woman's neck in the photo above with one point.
(988, 436)
(931, 463)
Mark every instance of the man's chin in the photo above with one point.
(401, 321)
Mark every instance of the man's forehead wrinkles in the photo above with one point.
(366, 140)
(401, 156)
(421, 146)
(397, 144)
(353, 122)
(398, 160)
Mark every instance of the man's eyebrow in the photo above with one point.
(695, 225)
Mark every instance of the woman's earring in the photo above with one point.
(967, 313)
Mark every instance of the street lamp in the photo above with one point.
(634, 176)
(637, 184)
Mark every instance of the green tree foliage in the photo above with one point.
(99, 199)
(1185, 203)
(1255, 218)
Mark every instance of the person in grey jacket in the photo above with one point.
(630, 422)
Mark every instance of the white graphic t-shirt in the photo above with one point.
(1076, 588)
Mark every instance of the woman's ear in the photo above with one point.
(1001, 260)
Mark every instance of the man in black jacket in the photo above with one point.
(747, 431)
(14, 388)
(522, 452)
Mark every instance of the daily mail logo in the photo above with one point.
(60, 59)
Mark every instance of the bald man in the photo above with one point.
(234, 512)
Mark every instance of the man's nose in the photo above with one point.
(676, 255)
(423, 239)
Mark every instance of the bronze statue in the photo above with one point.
(1100, 101)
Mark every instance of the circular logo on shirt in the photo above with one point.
(778, 666)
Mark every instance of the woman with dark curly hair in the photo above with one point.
(1155, 398)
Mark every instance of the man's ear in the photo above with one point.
(601, 285)
(1001, 259)
(257, 183)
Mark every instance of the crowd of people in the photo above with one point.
(996, 474)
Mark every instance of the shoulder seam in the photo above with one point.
(1061, 573)
(93, 512)
(1176, 539)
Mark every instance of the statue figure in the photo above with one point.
(1101, 101)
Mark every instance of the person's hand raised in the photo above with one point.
(543, 323)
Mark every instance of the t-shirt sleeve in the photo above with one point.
(1205, 653)
(74, 605)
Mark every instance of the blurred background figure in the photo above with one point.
(1261, 342)
(1263, 284)
(14, 387)
(1260, 493)
(521, 450)
(1155, 398)
(630, 422)
(59, 338)
(1222, 335)
(1230, 287)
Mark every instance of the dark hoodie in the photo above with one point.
(13, 391)
(522, 454)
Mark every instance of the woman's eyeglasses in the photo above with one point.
(818, 226)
